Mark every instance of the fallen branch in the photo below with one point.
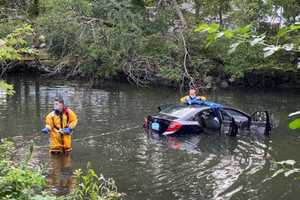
(139, 70)
(186, 52)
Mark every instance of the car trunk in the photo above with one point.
(163, 121)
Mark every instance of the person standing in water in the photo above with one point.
(60, 124)
(192, 97)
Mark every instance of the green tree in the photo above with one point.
(12, 48)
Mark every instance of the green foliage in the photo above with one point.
(94, 187)
(7, 88)
(96, 32)
(17, 182)
(106, 36)
(245, 35)
(246, 48)
(170, 73)
(20, 182)
(12, 48)
(14, 45)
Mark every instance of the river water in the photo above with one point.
(111, 138)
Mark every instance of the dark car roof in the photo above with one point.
(182, 111)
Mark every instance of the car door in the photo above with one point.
(261, 123)
(240, 118)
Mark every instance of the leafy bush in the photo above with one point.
(19, 182)
(94, 187)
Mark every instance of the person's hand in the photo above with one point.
(45, 130)
(67, 131)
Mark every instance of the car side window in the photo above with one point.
(209, 119)
(236, 114)
(203, 114)
(225, 116)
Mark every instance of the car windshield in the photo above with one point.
(178, 111)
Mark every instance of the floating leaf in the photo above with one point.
(295, 124)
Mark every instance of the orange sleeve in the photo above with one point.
(72, 119)
(49, 121)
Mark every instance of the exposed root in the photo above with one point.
(139, 71)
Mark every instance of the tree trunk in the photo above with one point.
(197, 9)
(221, 14)
(179, 13)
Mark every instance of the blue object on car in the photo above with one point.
(209, 104)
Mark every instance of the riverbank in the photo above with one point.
(263, 78)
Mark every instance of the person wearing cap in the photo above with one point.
(60, 124)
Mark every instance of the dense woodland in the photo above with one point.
(182, 42)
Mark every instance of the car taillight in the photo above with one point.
(174, 126)
(145, 122)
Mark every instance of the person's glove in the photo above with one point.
(45, 130)
(67, 131)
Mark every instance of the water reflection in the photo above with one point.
(59, 175)
(219, 163)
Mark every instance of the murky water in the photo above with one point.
(111, 137)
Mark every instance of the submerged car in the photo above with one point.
(183, 119)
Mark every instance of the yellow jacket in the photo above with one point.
(60, 142)
(185, 98)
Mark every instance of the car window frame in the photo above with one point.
(238, 111)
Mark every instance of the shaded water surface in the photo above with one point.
(111, 137)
